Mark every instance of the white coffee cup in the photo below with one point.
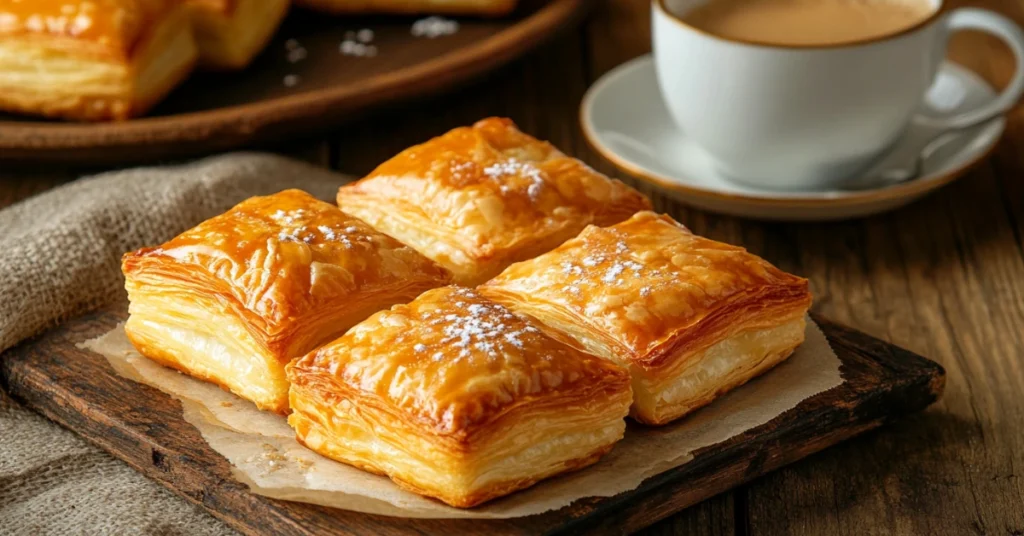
(804, 117)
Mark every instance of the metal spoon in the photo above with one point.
(905, 161)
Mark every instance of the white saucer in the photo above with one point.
(626, 121)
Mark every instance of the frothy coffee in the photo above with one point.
(807, 22)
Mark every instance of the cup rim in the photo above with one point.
(659, 5)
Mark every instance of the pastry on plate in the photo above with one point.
(234, 299)
(230, 33)
(691, 318)
(488, 8)
(92, 60)
(456, 398)
(479, 198)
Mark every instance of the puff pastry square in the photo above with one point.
(92, 59)
(689, 317)
(456, 398)
(488, 8)
(230, 33)
(234, 299)
(479, 198)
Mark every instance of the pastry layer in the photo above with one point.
(230, 33)
(480, 198)
(455, 397)
(650, 295)
(237, 297)
(665, 395)
(96, 78)
(493, 8)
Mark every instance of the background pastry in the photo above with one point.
(234, 299)
(455, 397)
(492, 8)
(689, 317)
(480, 198)
(230, 33)
(92, 59)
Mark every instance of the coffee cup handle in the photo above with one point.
(1008, 31)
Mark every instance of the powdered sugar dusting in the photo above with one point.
(514, 167)
(484, 327)
(293, 232)
(603, 266)
(613, 273)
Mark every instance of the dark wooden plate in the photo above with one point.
(218, 111)
(144, 427)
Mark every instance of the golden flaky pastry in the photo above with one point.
(234, 299)
(230, 33)
(487, 8)
(455, 397)
(91, 59)
(479, 198)
(689, 317)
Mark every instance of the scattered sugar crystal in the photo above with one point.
(420, 347)
(291, 80)
(437, 356)
(365, 35)
(434, 27)
(646, 291)
(457, 168)
(514, 167)
(296, 55)
(476, 309)
(613, 273)
(633, 265)
(513, 338)
(592, 261)
(327, 232)
(291, 44)
(569, 268)
(349, 47)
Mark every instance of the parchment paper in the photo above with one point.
(264, 454)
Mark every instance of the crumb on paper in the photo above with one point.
(271, 459)
(434, 27)
(226, 404)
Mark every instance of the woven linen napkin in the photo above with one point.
(60, 257)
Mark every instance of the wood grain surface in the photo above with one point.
(943, 277)
(145, 428)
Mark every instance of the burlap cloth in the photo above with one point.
(59, 257)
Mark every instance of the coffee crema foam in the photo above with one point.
(807, 22)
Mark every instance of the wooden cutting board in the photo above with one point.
(144, 427)
(214, 112)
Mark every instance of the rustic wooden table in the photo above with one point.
(943, 277)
